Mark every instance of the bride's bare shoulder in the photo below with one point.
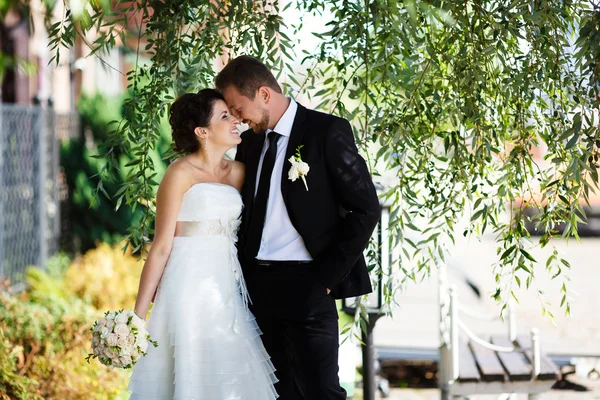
(179, 163)
(177, 174)
(180, 166)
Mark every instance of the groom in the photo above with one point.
(301, 241)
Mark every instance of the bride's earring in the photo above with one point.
(206, 143)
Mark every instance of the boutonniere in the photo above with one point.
(299, 168)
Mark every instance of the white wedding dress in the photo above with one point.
(209, 345)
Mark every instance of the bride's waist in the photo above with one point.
(188, 245)
(204, 228)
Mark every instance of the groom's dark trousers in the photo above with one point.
(299, 321)
(335, 214)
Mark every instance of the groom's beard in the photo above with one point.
(263, 125)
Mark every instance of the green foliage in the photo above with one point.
(45, 336)
(182, 39)
(13, 385)
(453, 98)
(94, 218)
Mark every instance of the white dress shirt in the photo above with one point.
(280, 240)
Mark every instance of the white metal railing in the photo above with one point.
(456, 323)
(511, 317)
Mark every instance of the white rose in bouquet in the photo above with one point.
(98, 350)
(142, 331)
(111, 339)
(110, 323)
(109, 353)
(122, 318)
(135, 354)
(126, 360)
(126, 351)
(104, 332)
(122, 341)
(119, 339)
(138, 323)
(143, 346)
(122, 330)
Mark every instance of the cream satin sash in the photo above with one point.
(199, 228)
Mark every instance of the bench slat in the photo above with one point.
(467, 369)
(548, 369)
(489, 366)
(515, 363)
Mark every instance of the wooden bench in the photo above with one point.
(470, 365)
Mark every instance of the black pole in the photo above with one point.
(368, 360)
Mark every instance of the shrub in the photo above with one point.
(44, 332)
(105, 277)
(12, 384)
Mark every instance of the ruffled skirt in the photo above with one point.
(209, 345)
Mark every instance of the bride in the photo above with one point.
(209, 346)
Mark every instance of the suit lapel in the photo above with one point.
(298, 130)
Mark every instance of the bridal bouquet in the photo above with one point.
(119, 339)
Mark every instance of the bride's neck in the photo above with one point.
(210, 161)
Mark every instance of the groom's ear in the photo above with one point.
(264, 94)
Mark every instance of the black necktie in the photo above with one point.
(259, 207)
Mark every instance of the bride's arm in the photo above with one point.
(168, 201)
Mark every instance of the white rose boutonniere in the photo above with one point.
(299, 168)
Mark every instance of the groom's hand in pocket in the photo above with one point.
(328, 290)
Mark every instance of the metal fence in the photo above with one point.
(29, 186)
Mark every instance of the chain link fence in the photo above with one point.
(30, 186)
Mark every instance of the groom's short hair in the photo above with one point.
(246, 74)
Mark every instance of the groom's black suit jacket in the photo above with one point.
(338, 213)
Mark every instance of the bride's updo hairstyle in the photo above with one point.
(187, 113)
